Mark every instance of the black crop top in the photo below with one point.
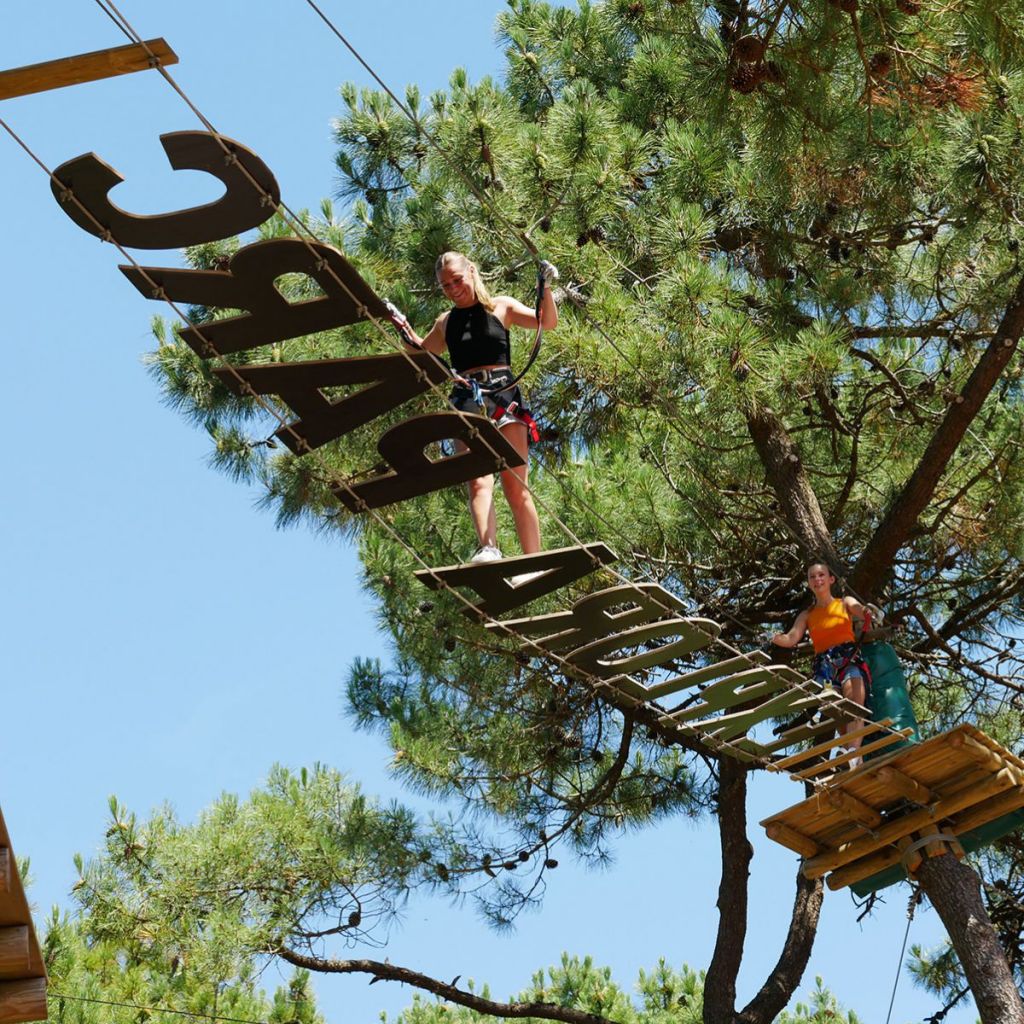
(476, 338)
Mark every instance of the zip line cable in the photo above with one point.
(153, 1009)
(807, 686)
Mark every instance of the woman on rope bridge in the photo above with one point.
(836, 626)
(475, 333)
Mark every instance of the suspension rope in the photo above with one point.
(915, 898)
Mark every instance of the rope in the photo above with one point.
(915, 898)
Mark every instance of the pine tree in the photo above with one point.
(789, 238)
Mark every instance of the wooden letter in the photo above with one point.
(741, 688)
(242, 207)
(491, 580)
(600, 615)
(248, 284)
(727, 727)
(595, 658)
(415, 473)
(393, 379)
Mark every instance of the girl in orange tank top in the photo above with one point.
(834, 623)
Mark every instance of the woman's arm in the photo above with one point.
(433, 342)
(859, 615)
(795, 635)
(513, 312)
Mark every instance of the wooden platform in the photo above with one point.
(865, 821)
(22, 974)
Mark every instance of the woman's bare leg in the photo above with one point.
(481, 506)
(513, 481)
(854, 689)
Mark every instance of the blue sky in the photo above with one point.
(161, 640)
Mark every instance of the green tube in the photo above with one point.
(889, 697)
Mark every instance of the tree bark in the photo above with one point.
(780, 985)
(955, 893)
(877, 558)
(720, 981)
(797, 501)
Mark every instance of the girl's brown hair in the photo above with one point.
(463, 262)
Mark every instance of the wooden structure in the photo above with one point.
(22, 974)
(85, 67)
(890, 812)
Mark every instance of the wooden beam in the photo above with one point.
(84, 67)
(905, 786)
(793, 839)
(977, 751)
(22, 1001)
(854, 809)
(5, 870)
(14, 951)
(891, 831)
(983, 813)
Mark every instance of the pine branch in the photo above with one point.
(384, 971)
(895, 529)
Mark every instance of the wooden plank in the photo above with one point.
(14, 951)
(836, 741)
(84, 67)
(989, 810)
(887, 834)
(5, 870)
(796, 841)
(22, 1001)
(838, 762)
(902, 784)
(978, 752)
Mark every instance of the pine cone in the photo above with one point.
(748, 49)
(746, 78)
(908, 6)
(850, 6)
(880, 64)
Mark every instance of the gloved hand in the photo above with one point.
(548, 271)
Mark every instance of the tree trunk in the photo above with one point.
(797, 501)
(720, 981)
(955, 893)
(780, 985)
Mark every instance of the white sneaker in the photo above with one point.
(486, 553)
(525, 577)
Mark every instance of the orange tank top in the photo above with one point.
(830, 625)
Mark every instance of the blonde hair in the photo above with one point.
(463, 262)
